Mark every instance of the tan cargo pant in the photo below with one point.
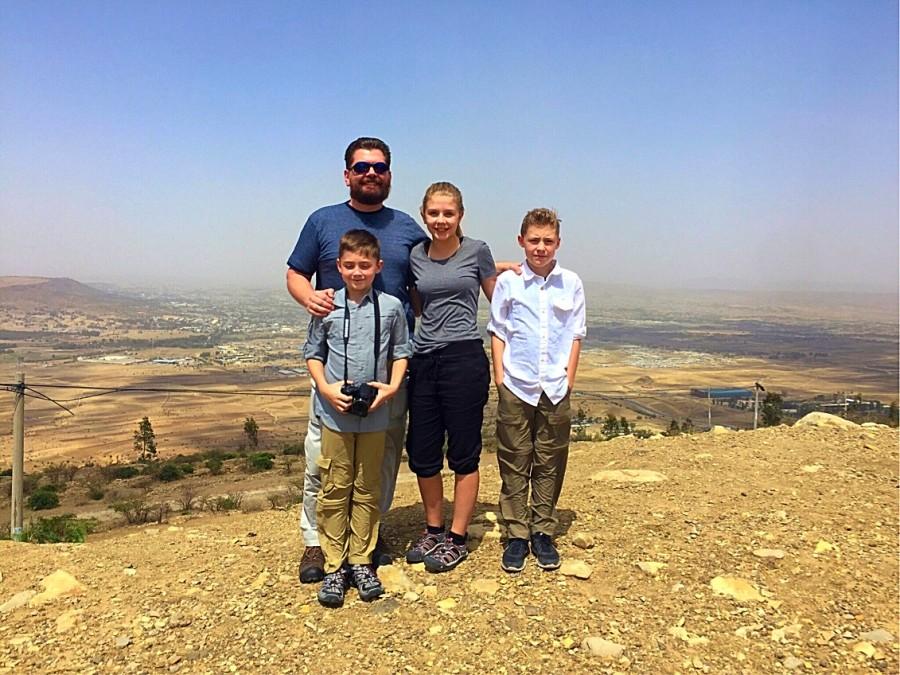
(532, 451)
(348, 514)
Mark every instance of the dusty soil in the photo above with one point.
(220, 593)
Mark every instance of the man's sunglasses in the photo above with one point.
(362, 168)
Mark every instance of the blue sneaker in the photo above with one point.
(514, 555)
(543, 549)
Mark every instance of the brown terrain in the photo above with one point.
(804, 517)
(747, 552)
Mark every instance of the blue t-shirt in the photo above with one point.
(316, 251)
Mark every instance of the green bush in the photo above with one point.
(293, 449)
(64, 528)
(134, 510)
(231, 502)
(6, 472)
(43, 498)
(95, 491)
(260, 461)
(169, 472)
(121, 471)
(186, 468)
(214, 464)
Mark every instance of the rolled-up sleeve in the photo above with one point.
(578, 318)
(401, 347)
(316, 346)
(499, 309)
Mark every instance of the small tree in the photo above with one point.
(145, 441)
(687, 427)
(893, 415)
(251, 430)
(771, 409)
(674, 429)
(610, 426)
(624, 426)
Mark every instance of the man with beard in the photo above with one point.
(368, 175)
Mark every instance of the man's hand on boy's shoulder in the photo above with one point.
(385, 393)
(332, 393)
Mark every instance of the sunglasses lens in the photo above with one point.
(362, 168)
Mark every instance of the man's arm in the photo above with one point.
(317, 303)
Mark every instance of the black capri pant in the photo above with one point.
(448, 389)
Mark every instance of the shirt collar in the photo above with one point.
(529, 275)
(340, 296)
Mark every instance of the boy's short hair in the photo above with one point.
(367, 143)
(360, 241)
(540, 218)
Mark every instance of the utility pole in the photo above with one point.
(757, 387)
(18, 458)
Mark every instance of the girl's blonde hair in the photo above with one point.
(445, 188)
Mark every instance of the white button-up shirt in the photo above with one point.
(538, 319)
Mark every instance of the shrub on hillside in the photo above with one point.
(6, 472)
(260, 461)
(231, 502)
(169, 472)
(214, 464)
(95, 491)
(186, 468)
(120, 471)
(134, 510)
(43, 498)
(293, 449)
(58, 529)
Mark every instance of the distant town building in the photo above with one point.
(723, 393)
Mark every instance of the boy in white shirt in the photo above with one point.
(537, 324)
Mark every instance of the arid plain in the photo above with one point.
(645, 351)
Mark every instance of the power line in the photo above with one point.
(103, 391)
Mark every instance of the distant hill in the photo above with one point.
(29, 293)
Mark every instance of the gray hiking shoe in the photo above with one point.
(427, 544)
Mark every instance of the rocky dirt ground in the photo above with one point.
(745, 552)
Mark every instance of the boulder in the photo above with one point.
(821, 419)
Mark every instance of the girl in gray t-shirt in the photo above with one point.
(449, 373)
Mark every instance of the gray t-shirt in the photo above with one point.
(449, 292)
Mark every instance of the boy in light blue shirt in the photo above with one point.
(357, 357)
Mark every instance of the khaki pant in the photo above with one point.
(348, 513)
(532, 450)
(312, 446)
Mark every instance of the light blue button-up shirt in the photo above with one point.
(325, 342)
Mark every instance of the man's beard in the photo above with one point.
(368, 197)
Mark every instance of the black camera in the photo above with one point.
(362, 395)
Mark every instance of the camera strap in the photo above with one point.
(377, 332)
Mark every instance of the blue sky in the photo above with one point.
(711, 143)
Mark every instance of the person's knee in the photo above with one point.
(426, 467)
(466, 466)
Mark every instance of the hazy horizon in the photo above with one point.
(693, 146)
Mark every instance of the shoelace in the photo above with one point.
(334, 583)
